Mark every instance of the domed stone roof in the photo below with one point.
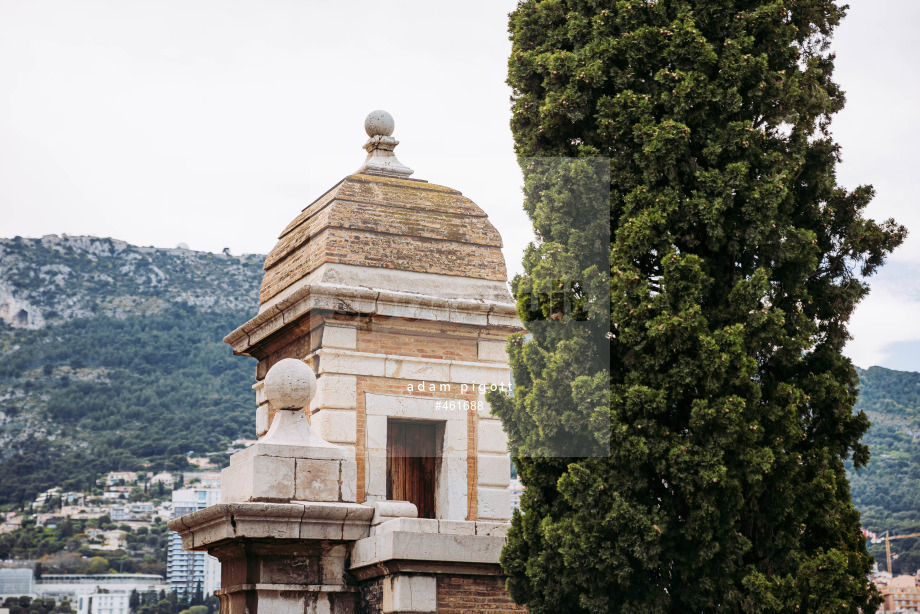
(377, 221)
(382, 244)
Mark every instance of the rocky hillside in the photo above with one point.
(53, 279)
(111, 357)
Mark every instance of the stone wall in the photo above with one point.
(454, 594)
(467, 594)
(372, 596)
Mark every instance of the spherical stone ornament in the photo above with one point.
(379, 123)
(290, 384)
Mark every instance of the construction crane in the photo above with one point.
(888, 545)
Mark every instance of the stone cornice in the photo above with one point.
(368, 301)
(301, 520)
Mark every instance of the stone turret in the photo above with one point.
(382, 284)
(379, 482)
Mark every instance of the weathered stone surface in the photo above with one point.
(419, 525)
(480, 373)
(262, 422)
(415, 594)
(379, 291)
(335, 391)
(345, 337)
(336, 425)
(259, 478)
(456, 527)
(493, 504)
(317, 479)
(349, 481)
(430, 370)
(385, 510)
(379, 123)
(209, 527)
(351, 363)
(376, 432)
(495, 529)
(416, 228)
(492, 437)
(289, 384)
(414, 546)
(493, 351)
(376, 474)
(494, 470)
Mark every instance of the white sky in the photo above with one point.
(214, 122)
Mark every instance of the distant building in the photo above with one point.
(73, 498)
(113, 540)
(901, 594)
(202, 479)
(49, 520)
(80, 588)
(115, 477)
(82, 512)
(103, 603)
(165, 510)
(131, 511)
(119, 513)
(516, 489)
(164, 478)
(188, 572)
(46, 496)
(16, 582)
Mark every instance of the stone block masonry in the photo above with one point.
(386, 298)
(466, 594)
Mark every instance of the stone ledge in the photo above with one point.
(446, 527)
(324, 588)
(209, 527)
(417, 546)
(365, 300)
(416, 567)
(274, 450)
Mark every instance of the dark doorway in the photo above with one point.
(412, 464)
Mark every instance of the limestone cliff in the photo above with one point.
(59, 278)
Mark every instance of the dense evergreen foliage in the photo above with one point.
(26, 605)
(735, 263)
(887, 490)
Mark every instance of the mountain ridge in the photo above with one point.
(111, 357)
(87, 265)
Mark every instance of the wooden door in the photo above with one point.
(412, 464)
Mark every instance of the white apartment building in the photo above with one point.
(187, 571)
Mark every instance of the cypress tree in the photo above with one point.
(735, 261)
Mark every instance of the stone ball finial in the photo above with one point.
(379, 123)
(290, 384)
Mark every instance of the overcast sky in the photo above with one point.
(214, 123)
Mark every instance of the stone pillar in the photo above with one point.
(292, 540)
(287, 514)
(282, 558)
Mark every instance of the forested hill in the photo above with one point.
(887, 490)
(111, 358)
